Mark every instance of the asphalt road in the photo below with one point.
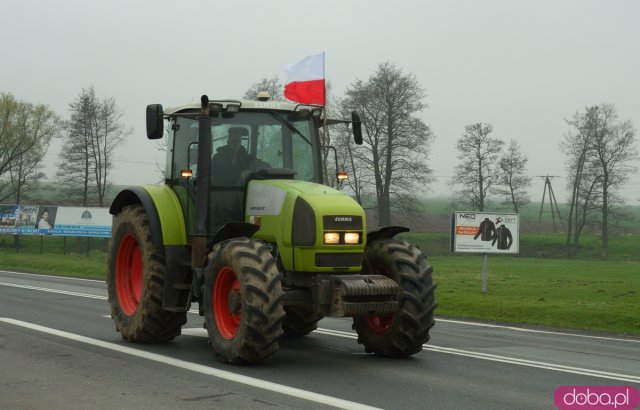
(59, 350)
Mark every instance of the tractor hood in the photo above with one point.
(297, 214)
(271, 196)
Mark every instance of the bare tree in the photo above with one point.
(75, 168)
(512, 179)
(271, 85)
(108, 134)
(94, 131)
(396, 143)
(24, 175)
(587, 206)
(600, 155)
(583, 178)
(478, 169)
(26, 130)
(614, 150)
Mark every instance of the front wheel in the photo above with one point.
(243, 301)
(403, 333)
(135, 281)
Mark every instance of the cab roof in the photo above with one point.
(244, 105)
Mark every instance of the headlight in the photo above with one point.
(352, 238)
(336, 238)
(331, 238)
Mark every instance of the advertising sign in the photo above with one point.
(76, 221)
(481, 232)
(55, 220)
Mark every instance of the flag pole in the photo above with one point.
(325, 133)
(324, 76)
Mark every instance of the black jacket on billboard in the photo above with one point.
(486, 231)
(503, 237)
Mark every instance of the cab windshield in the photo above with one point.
(247, 142)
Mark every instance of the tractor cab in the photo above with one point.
(249, 140)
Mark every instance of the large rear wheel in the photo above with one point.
(403, 333)
(243, 301)
(135, 281)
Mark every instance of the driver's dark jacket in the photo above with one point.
(226, 165)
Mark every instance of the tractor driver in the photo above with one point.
(231, 159)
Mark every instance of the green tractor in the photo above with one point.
(245, 227)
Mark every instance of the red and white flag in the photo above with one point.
(305, 80)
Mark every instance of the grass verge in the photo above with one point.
(77, 257)
(589, 295)
(93, 266)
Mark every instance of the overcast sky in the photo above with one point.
(523, 66)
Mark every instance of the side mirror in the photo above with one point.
(357, 127)
(155, 128)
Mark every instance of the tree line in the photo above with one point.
(91, 135)
(385, 172)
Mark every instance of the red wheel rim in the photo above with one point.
(129, 274)
(227, 300)
(380, 324)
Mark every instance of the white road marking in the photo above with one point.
(63, 292)
(222, 374)
(548, 332)
(506, 359)
(195, 331)
(539, 365)
(52, 276)
(477, 355)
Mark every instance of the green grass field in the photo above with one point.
(93, 266)
(77, 257)
(591, 295)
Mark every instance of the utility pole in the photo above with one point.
(553, 204)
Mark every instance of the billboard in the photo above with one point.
(483, 232)
(55, 220)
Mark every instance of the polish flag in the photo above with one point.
(305, 80)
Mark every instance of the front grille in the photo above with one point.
(338, 260)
